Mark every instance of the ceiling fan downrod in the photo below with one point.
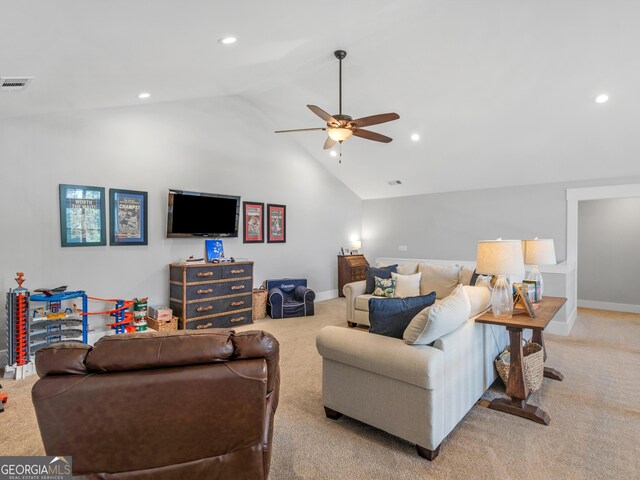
(340, 54)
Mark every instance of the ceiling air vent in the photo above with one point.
(8, 84)
(394, 182)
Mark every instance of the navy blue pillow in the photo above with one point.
(373, 272)
(391, 316)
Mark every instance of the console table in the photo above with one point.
(516, 386)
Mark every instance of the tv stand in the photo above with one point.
(211, 295)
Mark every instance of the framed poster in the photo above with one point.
(277, 219)
(253, 220)
(82, 216)
(127, 217)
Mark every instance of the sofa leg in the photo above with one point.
(428, 454)
(332, 414)
(352, 324)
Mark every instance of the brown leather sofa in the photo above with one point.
(173, 405)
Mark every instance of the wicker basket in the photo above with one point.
(533, 361)
(163, 325)
(259, 303)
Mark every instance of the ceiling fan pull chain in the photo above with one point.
(340, 149)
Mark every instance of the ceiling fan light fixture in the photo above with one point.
(339, 134)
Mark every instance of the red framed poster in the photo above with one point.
(277, 218)
(253, 220)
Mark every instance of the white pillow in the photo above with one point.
(479, 299)
(466, 273)
(441, 279)
(439, 319)
(407, 285)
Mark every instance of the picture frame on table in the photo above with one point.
(253, 221)
(82, 216)
(277, 223)
(128, 217)
(523, 298)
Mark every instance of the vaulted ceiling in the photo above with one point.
(500, 92)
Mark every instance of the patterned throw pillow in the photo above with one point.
(385, 287)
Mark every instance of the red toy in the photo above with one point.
(3, 399)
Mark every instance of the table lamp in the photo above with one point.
(500, 257)
(356, 245)
(539, 251)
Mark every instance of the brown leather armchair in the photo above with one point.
(173, 405)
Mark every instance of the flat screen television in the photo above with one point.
(196, 214)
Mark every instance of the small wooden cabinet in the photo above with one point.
(351, 268)
(211, 295)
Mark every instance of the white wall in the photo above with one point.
(215, 145)
(608, 259)
(447, 226)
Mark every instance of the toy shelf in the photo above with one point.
(54, 322)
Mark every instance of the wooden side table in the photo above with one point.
(516, 386)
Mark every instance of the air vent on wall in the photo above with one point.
(14, 83)
(394, 182)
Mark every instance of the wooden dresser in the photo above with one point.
(212, 295)
(351, 268)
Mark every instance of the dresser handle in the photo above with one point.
(237, 319)
(237, 304)
(202, 290)
(206, 325)
(237, 271)
(204, 274)
(237, 287)
(204, 309)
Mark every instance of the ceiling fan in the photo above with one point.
(340, 127)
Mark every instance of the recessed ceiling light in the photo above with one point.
(333, 153)
(415, 137)
(143, 95)
(228, 40)
(602, 98)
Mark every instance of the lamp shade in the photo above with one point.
(356, 244)
(539, 251)
(500, 257)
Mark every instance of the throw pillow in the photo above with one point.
(479, 299)
(466, 274)
(373, 272)
(437, 320)
(441, 279)
(390, 316)
(385, 287)
(403, 268)
(407, 285)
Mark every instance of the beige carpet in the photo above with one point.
(594, 431)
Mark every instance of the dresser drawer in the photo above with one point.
(211, 307)
(236, 271)
(203, 273)
(224, 321)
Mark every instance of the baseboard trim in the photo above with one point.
(557, 327)
(326, 295)
(613, 307)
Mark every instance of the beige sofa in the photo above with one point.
(442, 279)
(416, 392)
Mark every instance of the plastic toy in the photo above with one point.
(19, 363)
(4, 398)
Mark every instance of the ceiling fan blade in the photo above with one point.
(375, 119)
(299, 130)
(330, 142)
(322, 114)
(371, 135)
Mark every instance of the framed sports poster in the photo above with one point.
(277, 218)
(253, 220)
(127, 217)
(82, 216)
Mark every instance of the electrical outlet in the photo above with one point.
(402, 248)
